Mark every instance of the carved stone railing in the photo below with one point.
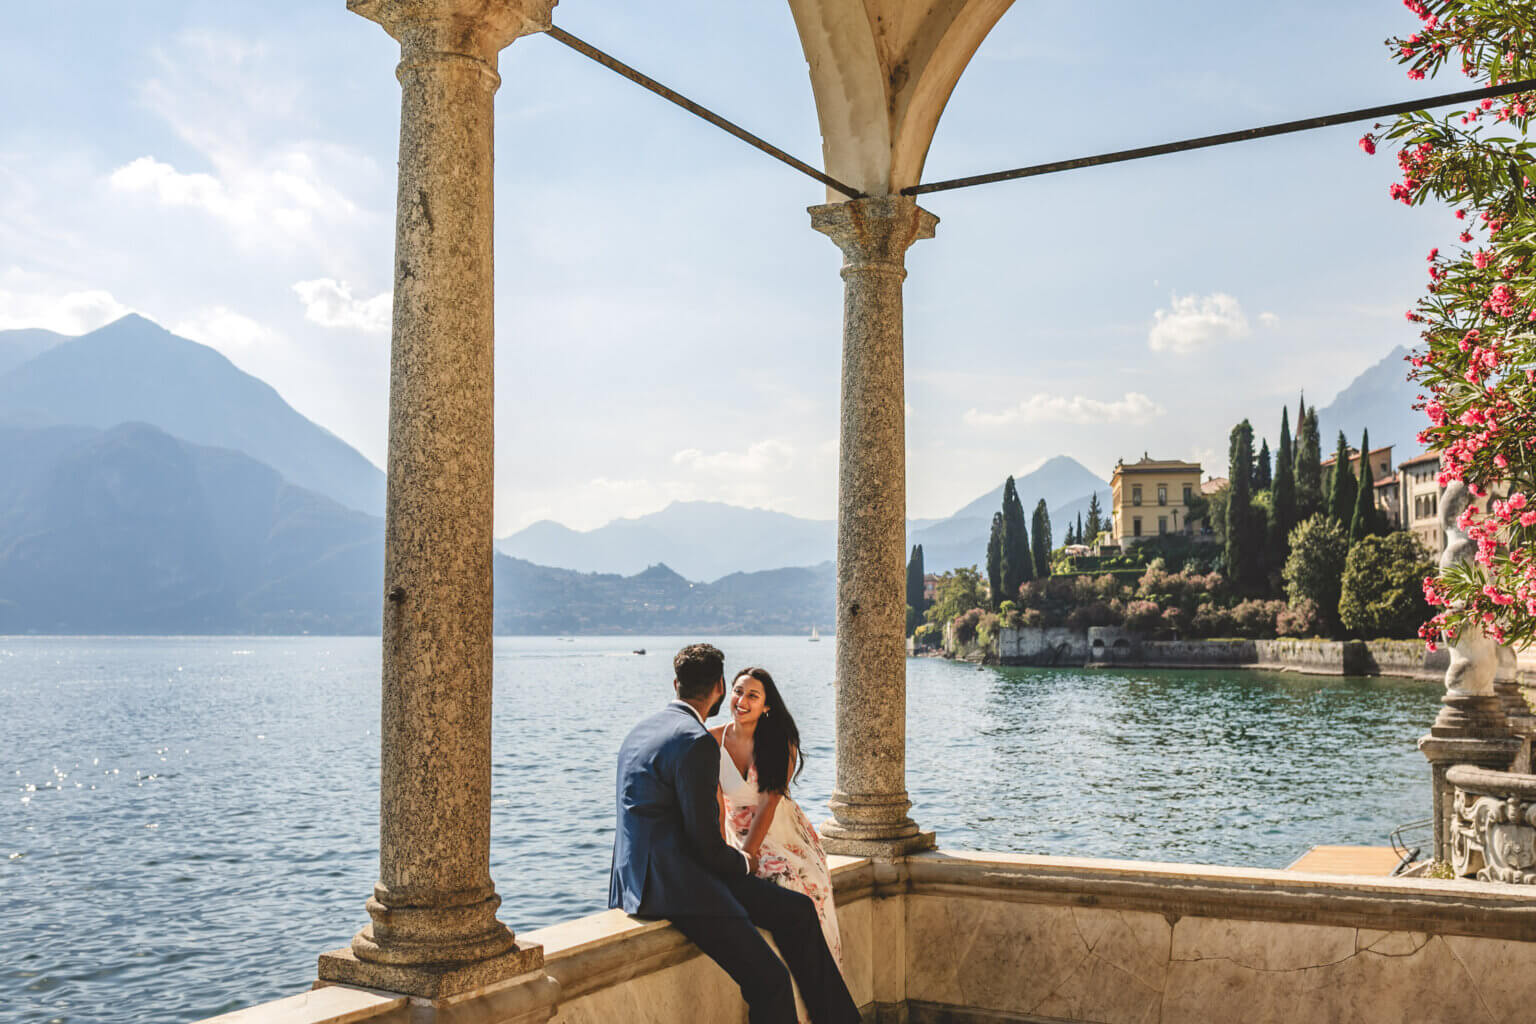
(1493, 825)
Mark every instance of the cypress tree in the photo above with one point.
(1040, 531)
(1283, 495)
(1261, 472)
(1095, 518)
(1241, 556)
(1309, 465)
(995, 560)
(915, 589)
(1363, 522)
(1341, 501)
(1018, 561)
(1079, 530)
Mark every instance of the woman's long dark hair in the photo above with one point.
(776, 736)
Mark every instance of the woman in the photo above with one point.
(759, 756)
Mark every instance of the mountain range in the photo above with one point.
(706, 540)
(147, 485)
(134, 370)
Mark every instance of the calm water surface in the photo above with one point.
(186, 823)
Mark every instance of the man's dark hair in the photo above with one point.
(698, 667)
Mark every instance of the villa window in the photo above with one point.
(1162, 524)
(1162, 494)
(1188, 494)
(1136, 525)
(1136, 498)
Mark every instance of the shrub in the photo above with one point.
(1174, 620)
(1096, 613)
(1382, 593)
(1007, 606)
(929, 634)
(1209, 620)
(1301, 619)
(966, 624)
(986, 629)
(1255, 619)
(1143, 616)
(1315, 566)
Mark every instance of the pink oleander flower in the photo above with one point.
(1368, 144)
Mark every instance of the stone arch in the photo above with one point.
(882, 72)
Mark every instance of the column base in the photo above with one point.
(429, 981)
(834, 840)
(1470, 716)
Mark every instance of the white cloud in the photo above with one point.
(762, 457)
(30, 300)
(1197, 322)
(236, 104)
(224, 329)
(1269, 320)
(1135, 407)
(330, 303)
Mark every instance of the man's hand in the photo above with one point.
(752, 862)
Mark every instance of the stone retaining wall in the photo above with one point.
(1115, 646)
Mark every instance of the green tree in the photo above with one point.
(1341, 501)
(1262, 477)
(995, 560)
(915, 603)
(1309, 464)
(1095, 518)
(1382, 594)
(1242, 553)
(956, 593)
(1018, 559)
(1363, 522)
(1040, 531)
(1282, 513)
(1079, 539)
(1315, 566)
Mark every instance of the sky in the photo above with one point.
(668, 326)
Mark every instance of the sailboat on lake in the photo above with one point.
(815, 636)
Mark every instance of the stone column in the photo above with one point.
(869, 802)
(434, 931)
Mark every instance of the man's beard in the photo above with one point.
(715, 707)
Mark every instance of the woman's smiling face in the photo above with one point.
(747, 700)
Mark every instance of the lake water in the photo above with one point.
(185, 823)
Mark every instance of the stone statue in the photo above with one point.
(1474, 655)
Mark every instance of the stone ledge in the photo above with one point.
(333, 1004)
(1480, 910)
(601, 950)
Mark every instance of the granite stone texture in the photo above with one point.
(434, 925)
(869, 801)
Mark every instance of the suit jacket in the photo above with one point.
(669, 859)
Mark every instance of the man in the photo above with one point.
(670, 860)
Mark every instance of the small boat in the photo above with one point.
(815, 636)
(639, 650)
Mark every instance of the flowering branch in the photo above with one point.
(1477, 363)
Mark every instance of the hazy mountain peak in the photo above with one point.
(134, 369)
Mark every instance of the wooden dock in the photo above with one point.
(1347, 860)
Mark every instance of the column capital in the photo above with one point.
(479, 29)
(875, 230)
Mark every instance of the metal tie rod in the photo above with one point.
(1205, 141)
(613, 64)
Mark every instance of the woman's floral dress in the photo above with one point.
(791, 853)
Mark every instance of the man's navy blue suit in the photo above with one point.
(670, 860)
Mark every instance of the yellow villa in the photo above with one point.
(1152, 497)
